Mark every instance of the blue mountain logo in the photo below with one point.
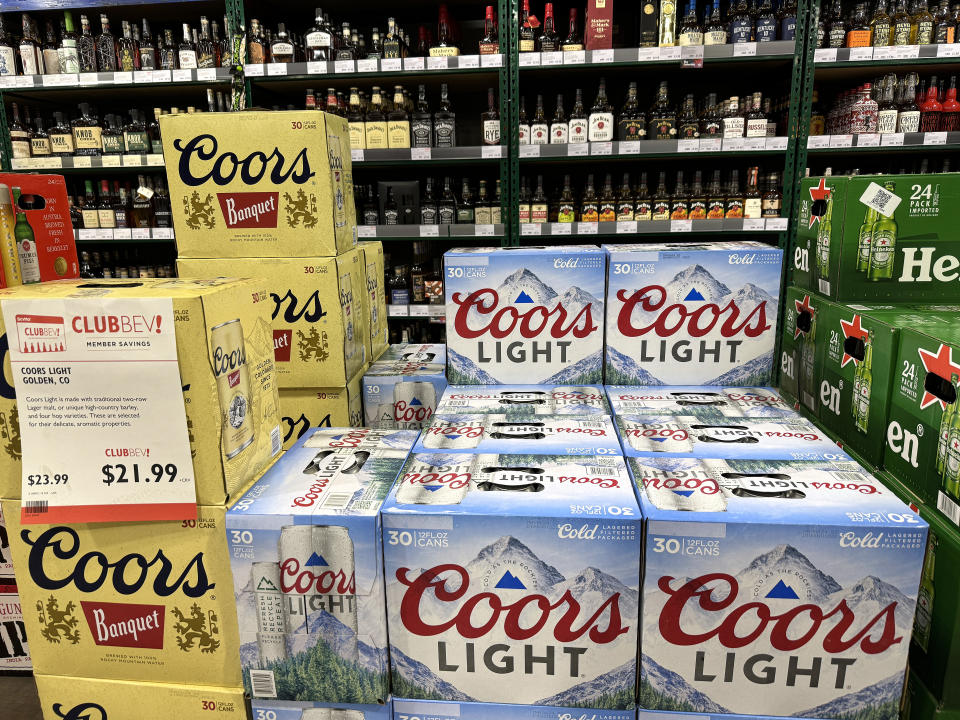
(316, 561)
(509, 581)
(693, 295)
(683, 493)
(432, 488)
(782, 591)
(658, 439)
(523, 298)
(415, 401)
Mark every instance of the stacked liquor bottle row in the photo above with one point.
(132, 262)
(417, 282)
(890, 104)
(70, 52)
(667, 24)
(893, 22)
(434, 204)
(104, 204)
(751, 115)
(88, 133)
(760, 197)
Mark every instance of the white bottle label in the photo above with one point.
(524, 134)
(558, 134)
(578, 131)
(29, 264)
(29, 58)
(8, 65)
(318, 39)
(282, 49)
(752, 208)
(491, 132)
(601, 127)
(733, 127)
(757, 127)
(188, 59)
(539, 134)
(887, 121)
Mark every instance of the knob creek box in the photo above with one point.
(260, 184)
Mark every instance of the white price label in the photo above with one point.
(753, 224)
(87, 482)
(398, 310)
(906, 52)
(367, 65)
(466, 62)
(491, 151)
(868, 140)
(7, 81)
(317, 68)
(688, 146)
(602, 56)
(391, 64)
(24, 81)
(419, 153)
(253, 70)
(891, 140)
(575, 57)
(748, 49)
(884, 53)
(578, 149)
(648, 54)
(825, 55)
(587, 228)
(110, 160)
(484, 230)
(207, 74)
(85, 234)
(81, 162)
(144, 76)
(691, 52)
(680, 226)
(414, 63)
(103, 234)
(162, 76)
(601, 148)
(49, 163)
(670, 53)
(529, 228)
(758, 143)
(61, 80)
(356, 155)
(343, 66)
(880, 199)
(276, 69)
(859, 54)
(626, 227)
(529, 151)
(122, 234)
(437, 63)
(132, 160)
(429, 231)
(818, 141)
(732, 144)
(163, 233)
(419, 310)
(155, 159)
(841, 141)
(561, 228)
(551, 58)
(140, 234)
(935, 138)
(495, 60)
(952, 50)
(529, 59)
(20, 163)
(89, 78)
(710, 144)
(366, 231)
(776, 143)
(777, 224)
(185, 75)
(629, 147)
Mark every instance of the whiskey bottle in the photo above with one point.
(88, 211)
(660, 205)
(950, 111)
(19, 134)
(589, 205)
(40, 141)
(909, 118)
(741, 23)
(902, 25)
(527, 34)
(146, 49)
(601, 116)
(106, 49)
(68, 58)
(756, 118)
(922, 24)
(523, 202)
(86, 47)
(317, 41)
(153, 130)
(465, 214)
(887, 112)
(127, 51)
(643, 208)
(524, 124)
(549, 40)
(538, 203)
(625, 200)
(608, 201)
(121, 211)
(490, 121)
(8, 56)
(421, 121)
(61, 136)
(772, 199)
(281, 49)
(496, 216)
(558, 125)
(836, 27)
(632, 123)
(135, 138)
(186, 51)
(567, 204)
(355, 121)
(111, 136)
(375, 124)
(690, 31)
(711, 124)
(766, 25)
(168, 52)
(490, 43)
(733, 207)
(930, 109)
(787, 18)
(86, 133)
(447, 207)
(667, 24)
(398, 122)
(51, 58)
(752, 200)
(428, 205)
(944, 28)
(31, 59)
(105, 214)
(445, 45)
(663, 118)
(733, 124)
(539, 130)
(716, 31)
(716, 198)
(689, 122)
(392, 45)
(697, 201)
(577, 128)
(880, 26)
(444, 122)
(481, 210)
(679, 201)
(162, 213)
(391, 209)
(574, 40)
(141, 210)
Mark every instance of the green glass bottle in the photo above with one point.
(923, 619)
(863, 387)
(883, 247)
(823, 241)
(951, 473)
(26, 244)
(946, 419)
(865, 240)
(808, 362)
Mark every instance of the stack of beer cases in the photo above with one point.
(871, 351)
(291, 224)
(779, 578)
(134, 617)
(14, 650)
(401, 389)
(305, 549)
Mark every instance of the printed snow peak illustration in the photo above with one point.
(607, 685)
(509, 552)
(696, 283)
(463, 371)
(867, 701)
(422, 679)
(673, 688)
(582, 372)
(623, 370)
(754, 372)
(782, 563)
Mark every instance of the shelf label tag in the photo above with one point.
(529, 228)
(491, 61)
(818, 141)
(110, 161)
(670, 53)
(868, 140)
(419, 153)
(629, 147)
(484, 230)
(688, 146)
(859, 54)
(437, 63)
(529, 151)
(841, 141)
(884, 53)
(778, 224)
(776, 143)
(587, 228)
(578, 149)
(648, 54)
(368, 65)
(529, 59)
(414, 63)
(398, 310)
(601, 148)
(391, 64)
(551, 58)
(317, 68)
(344, 66)
(185, 75)
(935, 138)
(753, 224)
(710, 144)
(561, 228)
(255, 70)
(574, 57)
(679, 226)
(275, 69)
(356, 155)
(952, 50)
(366, 231)
(748, 49)
(626, 227)
(429, 231)
(825, 55)
(491, 151)
(602, 56)
(207, 74)
(891, 140)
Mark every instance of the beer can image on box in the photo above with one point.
(233, 386)
(401, 394)
(523, 400)
(414, 403)
(271, 620)
(698, 401)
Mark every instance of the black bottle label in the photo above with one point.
(788, 28)
(741, 31)
(766, 29)
(420, 133)
(445, 134)
(631, 129)
(447, 215)
(690, 130)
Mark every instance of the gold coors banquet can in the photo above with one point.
(233, 386)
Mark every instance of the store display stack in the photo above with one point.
(293, 225)
(870, 351)
(14, 649)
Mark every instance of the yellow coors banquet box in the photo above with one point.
(129, 601)
(317, 312)
(233, 418)
(259, 184)
(73, 698)
(376, 297)
(305, 408)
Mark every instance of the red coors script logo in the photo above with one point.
(125, 624)
(678, 318)
(532, 323)
(249, 209)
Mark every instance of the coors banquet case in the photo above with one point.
(534, 435)
(402, 394)
(308, 580)
(439, 710)
(523, 400)
(775, 588)
(689, 314)
(547, 545)
(698, 400)
(530, 314)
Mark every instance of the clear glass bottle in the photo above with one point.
(490, 121)
(465, 215)
(577, 128)
(539, 129)
(558, 124)
(444, 122)
(86, 133)
(106, 47)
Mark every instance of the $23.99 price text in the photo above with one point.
(121, 473)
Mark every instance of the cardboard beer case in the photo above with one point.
(438, 709)
(691, 314)
(14, 649)
(417, 352)
(534, 435)
(554, 539)
(6, 562)
(129, 601)
(529, 314)
(64, 697)
(200, 306)
(374, 305)
(698, 400)
(307, 568)
(260, 184)
(286, 710)
(819, 218)
(823, 560)
(319, 325)
(799, 346)
(401, 393)
(523, 400)
(305, 408)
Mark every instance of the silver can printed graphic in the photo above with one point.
(443, 434)
(271, 623)
(413, 404)
(681, 491)
(351, 343)
(664, 436)
(233, 387)
(426, 484)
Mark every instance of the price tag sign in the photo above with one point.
(419, 310)
(629, 147)
(732, 144)
(602, 56)
(777, 224)
(419, 153)
(818, 141)
(50, 163)
(429, 231)
(601, 148)
(906, 52)
(868, 140)
(343, 66)
(710, 144)
(551, 58)
(748, 49)
(276, 69)
(140, 234)
(415, 63)
(162, 76)
(691, 56)
(487, 61)
(491, 151)
(391, 64)
(529, 151)
(143, 77)
(529, 228)
(884, 53)
(649, 54)
(356, 155)
(755, 143)
(122, 234)
(680, 226)
(207, 74)
(317, 68)
(753, 224)
(368, 65)
(841, 141)
(688, 146)
(132, 160)
(187, 75)
(776, 143)
(952, 50)
(437, 63)
(398, 310)
(484, 230)
(575, 57)
(670, 53)
(466, 62)
(84, 234)
(7, 81)
(578, 149)
(859, 54)
(155, 159)
(626, 227)
(366, 231)
(24, 81)
(163, 233)
(110, 160)
(529, 59)
(825, 55)
(85, 481)
(587, 228)
(935, 138)
(891, 140)
(62, 80)
(253, 70)
(561, 228)
(87, 78)
(81, 162)
(103, 234)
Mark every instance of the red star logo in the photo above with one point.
(820, 192)
(852, 330)
(802, 307)
(940, 364)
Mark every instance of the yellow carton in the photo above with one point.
(319, 321)
(223, 463)
(305, 408)
(73, 698)
(260, 184)
(129, 601)
(376, 297)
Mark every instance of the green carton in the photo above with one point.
(798, 347)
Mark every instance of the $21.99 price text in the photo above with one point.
(121, 473)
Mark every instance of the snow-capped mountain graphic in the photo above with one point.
(623, 370)
(575, 299)
(508, 552)
(886, 691)
(755, 372)
(696, 281)
(592, 587)
(423, 678)
(607, 684)
(584, 371)
(509, 581)
(671, 685)
(463, 371)
(785, 564)
(751, 295)
(523, 286)
(871, 595)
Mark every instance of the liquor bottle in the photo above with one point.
(86, 47)
(105, 214)
(86, 133)
(186, 51)
(121, 214)
(444, 122)
(206, 51)
(766, 24)
(346, 50)
(733, 206)
(662, 124)
(944, 28)
(398, 121)
(549, 40)
(756, 118)
(566, 204)
(930, 109)
(141, 211)
(884, 246)
(716, 199)
(578, 129)
(153, 130)
(421, 120)
(355, 120)
(902, 24)
(539, 130)
(447, 207)
(168, 52)
(697, 200)
(392, 45)
(772, 199)
(418, 273)
(375, 124)
(496, 216)
(111, 136)
(643, 207)
(787, 17)
(39, 140)
(465, 214)
(162, 213)
(660, 204)
(716, 31)
(524, 124)
(19, 134)
(88, 212)
(527, 36)
(632, 123)
(558, 125)
(391, 209)
(741, 23)
(589, 205)
(31, 59)
(859, 34)
(445, 45)
(136, 141)
(752, 198)
(257, 50)
(61, 136)
(909, 118)
(836, 27)
(733, 123)
(399, 287)
(51, 58)
(880, 26)
(317, 40)
(26, 244)
(128, 55)
(887, 112)
(482, 210)
(690, 31)
(223, 51)
(8, 56)
(922, 24)
(538, 203)
(950, 112)
(146, 50)
(490, 121)
(600, 123)
(574, 40)
(679, 201)
(711, 123)
(625, 200)
(523, 201)
(667, 24)
(689, 121)
(106, 49)
(490, 43)
(607, 204)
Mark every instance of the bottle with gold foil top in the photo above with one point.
(375, 125)
(398, 121)
(8, 242)
(880, 27)
(667, 29)
(355, 121)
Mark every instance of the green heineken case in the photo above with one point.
(819, 225)
(923, 426)
(798, 347)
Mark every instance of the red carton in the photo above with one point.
(599, 31)
(36, 234)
